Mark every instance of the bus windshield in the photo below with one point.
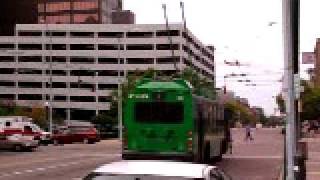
(159, 112)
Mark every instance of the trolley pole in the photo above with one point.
(291, 48)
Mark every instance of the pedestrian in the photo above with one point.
(248, 133)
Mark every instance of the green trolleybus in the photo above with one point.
(163, 119)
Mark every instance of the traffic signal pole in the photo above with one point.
(291, 51)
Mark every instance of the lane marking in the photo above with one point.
(251, 157)
(3, 175)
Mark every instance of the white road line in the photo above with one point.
(251, 157)
(41, 169)
(50, 167)
(28, 171)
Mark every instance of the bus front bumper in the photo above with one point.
(157, 156)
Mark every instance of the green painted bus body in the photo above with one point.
(169, 132)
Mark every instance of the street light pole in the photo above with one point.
(291, 48)
(49, 104)
(50, 80)
(119, 93)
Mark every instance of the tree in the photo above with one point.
(39, 116)
(240, 112)
(310, 102)
(281, 103)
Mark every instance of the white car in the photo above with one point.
(156, 170)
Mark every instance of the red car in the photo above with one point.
(70, 134)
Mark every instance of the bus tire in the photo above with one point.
(18, 148)
(206, 157)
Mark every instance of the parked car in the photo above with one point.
(18, 142)
(71, 134)
(156, 170)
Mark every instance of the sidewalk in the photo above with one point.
(312, 157)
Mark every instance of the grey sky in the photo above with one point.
(239, 30)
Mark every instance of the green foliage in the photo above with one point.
(281, 103)
(310, 102)
(4, 111)
(39, 116)
(240, 112)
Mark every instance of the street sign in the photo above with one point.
(308, 57)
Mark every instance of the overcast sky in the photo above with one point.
(240, 30)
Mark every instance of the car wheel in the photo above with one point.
(85, 141)
(17, 148)
(56, 142)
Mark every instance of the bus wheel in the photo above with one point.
(85, 141)
(17, 148)
(56, 142)
(206, 157)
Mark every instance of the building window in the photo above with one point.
(140, 47)
(82, 34)
(7, 83)
(30, 59)
(110, 47)
(139, 34)
(168, 33)
(108, 61)
(110, 34)
(81, 47)
(168, 47)
(30, 97)
(140, 60)
(82, 60)
(86, 18)
(168, 60)
(30, 46)
(58, 19)
(85, 5)
(7, 59)
(55, 6)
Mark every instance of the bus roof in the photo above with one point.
(174, 85)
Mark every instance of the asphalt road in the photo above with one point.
(68, 162)
(260, 159)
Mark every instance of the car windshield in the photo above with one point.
(97, 176)
(35, 128)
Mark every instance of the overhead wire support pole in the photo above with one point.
(185, 29)
(291, 48)
(164, 7)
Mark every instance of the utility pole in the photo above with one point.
(291, 48)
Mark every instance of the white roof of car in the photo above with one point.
(151, 167)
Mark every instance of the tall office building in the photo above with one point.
(77, 11)
(89, 61)
(317, 64)
(14, 12)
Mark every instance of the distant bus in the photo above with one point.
(163, 119)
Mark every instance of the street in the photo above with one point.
(257, 160)
(72, 161)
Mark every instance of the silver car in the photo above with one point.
(18, 142)
(156, 170)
